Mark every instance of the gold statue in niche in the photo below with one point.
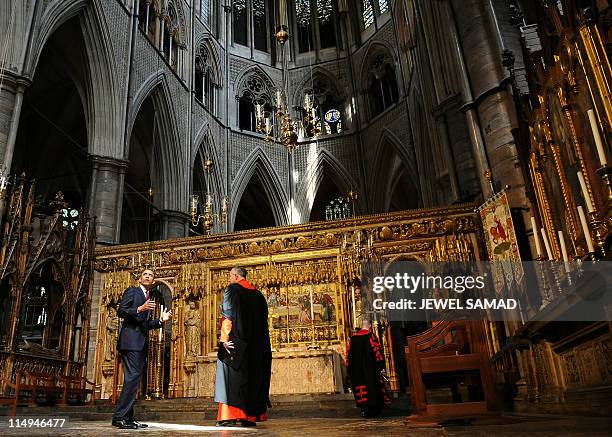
(192, 330)
(112, 326)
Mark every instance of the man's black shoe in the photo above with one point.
(140, 425)
(124, 424)
(231, 422)
(247, 423)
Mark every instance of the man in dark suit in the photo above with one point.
(135, 310)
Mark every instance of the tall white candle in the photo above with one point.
(162, 328)
(585, 229)
(546, 244)
(563, 251)
(601, 153)
(536, 237)
(354, 311)
(311, 305)
(585, 192)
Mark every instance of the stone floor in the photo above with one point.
(508, 425)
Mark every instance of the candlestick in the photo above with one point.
(585, 192)
(601, 153)
(564, 251)
(585, 229)
(354, 311)
(536, 237)
(311, 305)
(546, 244)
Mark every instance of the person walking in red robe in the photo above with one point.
(366, 371)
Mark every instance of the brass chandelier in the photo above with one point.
(208, 216)
(278, 125)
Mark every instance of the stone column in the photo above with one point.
(175, 224)
(493, 106)
(11, 100)
(106, 197)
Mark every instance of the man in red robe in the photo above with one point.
(242, 386)
(366, 370)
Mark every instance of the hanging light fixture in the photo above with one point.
(208, 215)
(279, 125)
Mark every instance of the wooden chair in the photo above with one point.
(446, 351)
(43, 385)
(76, 386)
(9, 393)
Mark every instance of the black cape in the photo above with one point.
(365, 362)
(248, 386)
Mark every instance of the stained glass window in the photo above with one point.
(240, 22)
(383, 6)
(367, 13)
(304, 25)
(338, 209)
(260, 31)
(325, 14)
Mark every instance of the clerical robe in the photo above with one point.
(243, 393)
(365, 362)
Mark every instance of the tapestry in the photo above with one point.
(500, 239)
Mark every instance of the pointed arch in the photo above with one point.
(99, 88)
(383, 177)
(205, 41)
(205, 146)
(305, 83)
(105, 120)
(171, 166)
(256, 71)
(374, 48)
(56, 14)
(258, 163)
(181, 34)
(323, 164)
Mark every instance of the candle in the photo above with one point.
(597, 137)
(563, 251)
(268, 125)
(311, 305)
(585, 229)
(546, 244)
(536, 237)
(585, 192)
(354, 311)
(162, 328)
(278, 99)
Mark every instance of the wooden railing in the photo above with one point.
(34, 388)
